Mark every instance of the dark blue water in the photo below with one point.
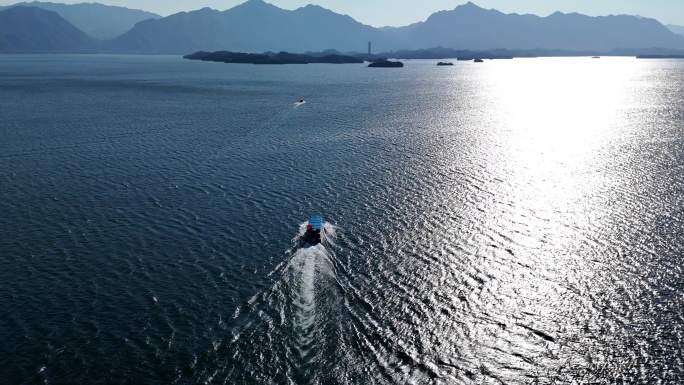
(505, 222)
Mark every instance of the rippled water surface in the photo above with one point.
(511, 222)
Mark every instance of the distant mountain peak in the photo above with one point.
(469, 6)
(253, 5)
(314, 6)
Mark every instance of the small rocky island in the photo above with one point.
(270, 58)
(384, 63)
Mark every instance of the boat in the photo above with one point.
(478, 61)
(596, 57)
(312, 235)
(444, 63)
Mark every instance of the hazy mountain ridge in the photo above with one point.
(36, 30)
(471, 27)
(256, 26)
(678, 29)
(96, 20)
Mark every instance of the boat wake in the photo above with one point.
(285, 332)
(308, 268)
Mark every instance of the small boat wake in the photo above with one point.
(285, 332)
(308, 268)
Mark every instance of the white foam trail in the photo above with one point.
(285, 325)
(305, 269)
(329, 234)
(305, 298)
(302, 275)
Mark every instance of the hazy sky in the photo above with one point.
(380, 13)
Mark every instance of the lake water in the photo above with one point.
(515, 221)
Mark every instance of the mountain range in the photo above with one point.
(471, 27)
(256, 26)
(19, 33)
(96, 20)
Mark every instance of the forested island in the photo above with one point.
(266, 58)
(384, 63)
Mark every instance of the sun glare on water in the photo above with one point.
(555, 124)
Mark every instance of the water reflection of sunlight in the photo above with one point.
(520, 180)
(554, 117)
(564, 108)
(545, 133)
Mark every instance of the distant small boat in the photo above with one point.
(478, 61)
(596, 57)
(445, 63)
